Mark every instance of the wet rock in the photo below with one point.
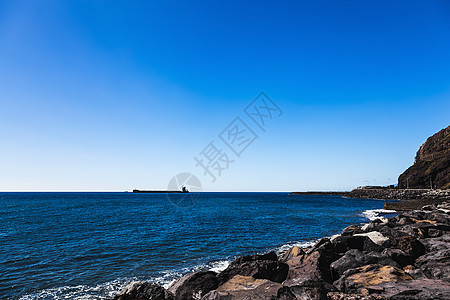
(194, 285)
(246, 287)
(355, 258)
(143, 290)
(259, 266)
(353, 280)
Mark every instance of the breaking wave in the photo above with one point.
(373, 214)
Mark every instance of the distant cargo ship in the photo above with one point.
(183, 190)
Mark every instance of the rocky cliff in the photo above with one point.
(431, 165)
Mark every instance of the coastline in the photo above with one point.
(404, 252)
(405, 199)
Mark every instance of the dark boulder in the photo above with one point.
(342, 244)
(247, 287)
(406, 290)
(285, 293)
(423, 289)
(309, 275)
(355, 258)
(435, 265)
(315, 265)
(259, 266)
(438, 243)
(143, 290)
(292, 252)
(198, 284)
(399, 256)
(309, 287)
(370, 276)
(411, 246)
(351, 230)
(425, 227)
(345, 296)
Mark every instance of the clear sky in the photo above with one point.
(116, 95)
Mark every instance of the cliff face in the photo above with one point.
(431, 165)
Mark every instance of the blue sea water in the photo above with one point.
(89, 245)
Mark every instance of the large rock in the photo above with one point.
(431, 165)
(143, 290)
(309, 275)
(315, 264)
(351, 230)
(258, 266)
(370, 277)
(355, 258)
(411, 246)
(247, 287)
(399, 256)
(292, 252)
(342, 244)
(375, 237)
(194, 285)
(436, 244)
(308, 287)
(406, 290)
(345, 296)
(435, 265)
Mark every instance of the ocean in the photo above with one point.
(89, 245)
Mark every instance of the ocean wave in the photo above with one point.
(110, 289)
(288, 246)
(373, 214)
(80, 292)
(219, 266)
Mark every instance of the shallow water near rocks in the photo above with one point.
(89, 245)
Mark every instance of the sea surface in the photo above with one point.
(89, 245)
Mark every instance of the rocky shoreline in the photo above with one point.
(403, 257)
(409, 198)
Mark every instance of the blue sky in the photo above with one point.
(110, 95)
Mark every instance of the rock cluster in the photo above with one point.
(403, 257)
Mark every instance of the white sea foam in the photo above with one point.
(373, 214)
(109, 289)
(288, 246)
(219, 266)
(80, 292)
